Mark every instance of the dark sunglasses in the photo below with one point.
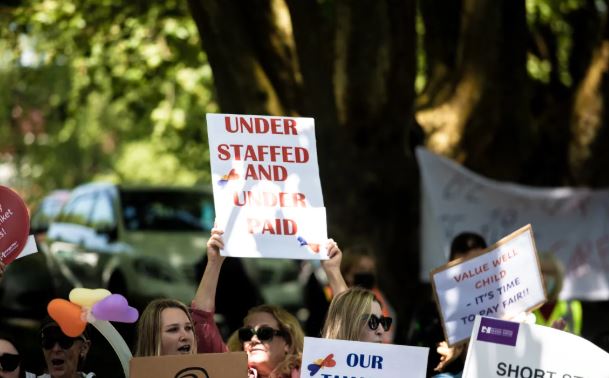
(9, 362)
(374, 321)
(65, 342)
(263, 333)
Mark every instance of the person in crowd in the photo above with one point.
(272, 337)
(426, 326)
(557, 313)
(273, 340)
(2, 269)
(356, 314)
(168, 327)
(452, 359)
(64, 356)
(10, 360)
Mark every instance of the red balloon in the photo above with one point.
(68, 316)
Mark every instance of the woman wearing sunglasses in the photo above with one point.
(64, 355)
(272, 337)
(356, 315)
(10, 360)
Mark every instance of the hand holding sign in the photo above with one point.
(501, 281)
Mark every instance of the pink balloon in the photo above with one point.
(114, 308)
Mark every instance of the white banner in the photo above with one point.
(325, 358)
(501, 282)
(500, 348)
(571, 223)
(267, 192)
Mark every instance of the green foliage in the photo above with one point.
(552, 15)
(104, 89)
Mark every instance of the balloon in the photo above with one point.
(68, 316)
(114, 308)
(116, 341)
(87, 297)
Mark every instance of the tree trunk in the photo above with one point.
(588, 155)
(487, 118)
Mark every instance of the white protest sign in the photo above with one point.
(267, 192)
(501, 281)
(571, 223)
(325, 358)
(499, 348)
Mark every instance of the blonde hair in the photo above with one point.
(149, 327)
(348, 313)
(294, 338)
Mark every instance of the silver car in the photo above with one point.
(142, 242)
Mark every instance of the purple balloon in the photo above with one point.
(114, 308)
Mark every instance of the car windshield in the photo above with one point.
(167, 210)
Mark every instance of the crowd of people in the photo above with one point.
(272, 337)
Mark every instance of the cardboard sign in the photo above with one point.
(325, 358)
(500, 348)
(267, 192)
(571, 223)
(501, 282)
(203, 365)
(14, 225)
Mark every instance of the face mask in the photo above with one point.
(365, 280)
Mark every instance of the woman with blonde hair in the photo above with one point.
(273, 340)
(356, 315)
(272, 337)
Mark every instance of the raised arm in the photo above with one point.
(2, 268)
(332, 268)
(205, 297)
(209, 339)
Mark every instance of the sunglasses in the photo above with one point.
(65, 342)
(263, 333)
(9, 362)
(374, 321)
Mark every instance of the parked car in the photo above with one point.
(142, 242)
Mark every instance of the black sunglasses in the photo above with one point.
(65, 342)
(9, 362)
(263, 333)
(374, 321)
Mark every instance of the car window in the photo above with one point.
(167, 210)
(103, 217)
(78, 209)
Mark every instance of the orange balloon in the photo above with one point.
(67, 316)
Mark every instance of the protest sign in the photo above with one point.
(14, 225)
(203, 365)
(500, 281)
(267, 192)
(325, 358)
(500, 348)
(573, 224)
